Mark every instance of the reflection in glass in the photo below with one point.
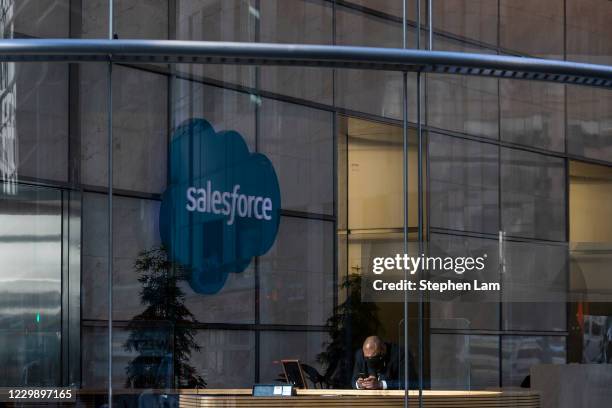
(464, 362)
(470, 310)
(534, 282)
(222, 108)
(532, 114)
(216, 20)
(470, 19)
(35, 110)
(297, 22)
(463, 104)
(533, 195)
(296, 275)
(463, 184)
(590, 218)
(372, 91)
(521, 352)
(226, 358)
(520, 19)
(30, 283)
(139, 158)
(135, 229)
(288, 303)
(132, 19)
(588, 31)
(46, 19)
(163, 334)
(299, 142)
(589, 123)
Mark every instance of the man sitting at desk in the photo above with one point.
(380, 366)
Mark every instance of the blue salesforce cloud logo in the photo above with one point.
(221, 207)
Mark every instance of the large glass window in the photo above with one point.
(249, 202)
(31, 236)
(590, 232)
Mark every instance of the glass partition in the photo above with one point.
(54, 206)
(251, 207)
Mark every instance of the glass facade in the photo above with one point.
(519, 170)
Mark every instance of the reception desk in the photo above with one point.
(319, 398)
(359, 398)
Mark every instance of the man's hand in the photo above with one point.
(360, 382)
(371, 383)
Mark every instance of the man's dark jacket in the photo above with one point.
(392, 371)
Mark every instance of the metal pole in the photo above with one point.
(420, 233)
(420, 210)
(420, 194)
(110, 211)
(405, 202)
(418, 24)
(430, 24)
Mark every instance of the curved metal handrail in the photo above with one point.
(328, 56)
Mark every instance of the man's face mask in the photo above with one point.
(376, 363)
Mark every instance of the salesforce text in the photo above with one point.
(228, 203)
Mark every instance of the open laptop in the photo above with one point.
(294, 373)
